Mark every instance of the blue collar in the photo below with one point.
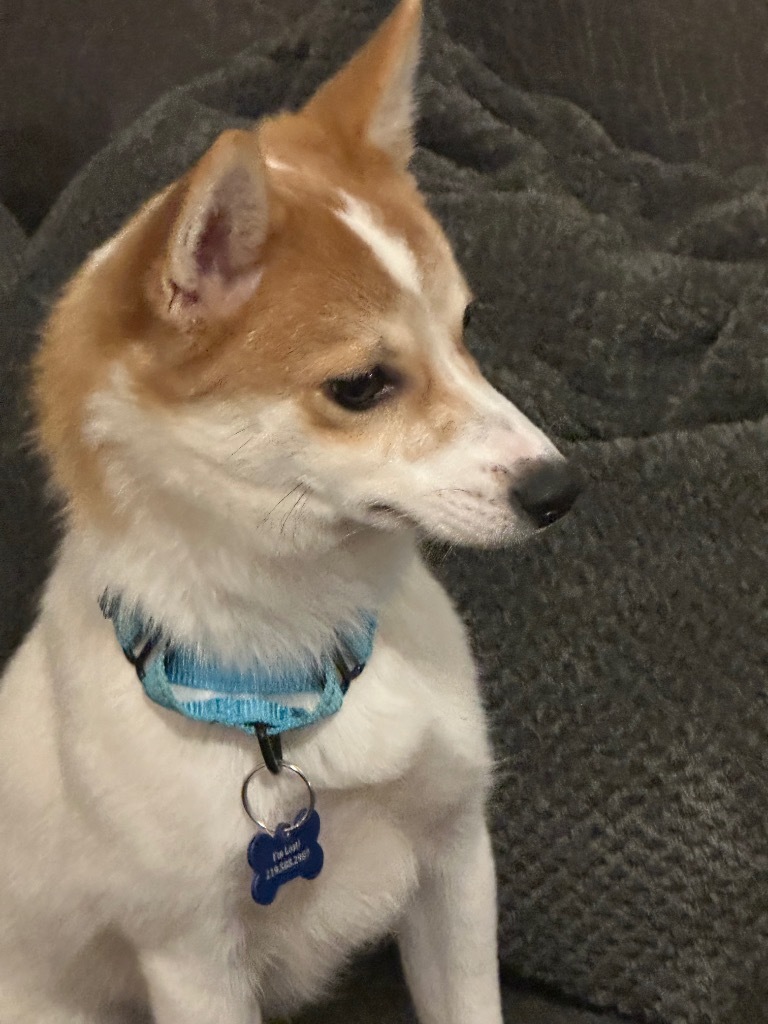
(180, 679)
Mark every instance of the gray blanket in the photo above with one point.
(622, 304)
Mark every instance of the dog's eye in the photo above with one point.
(468, 311)
(363, 391)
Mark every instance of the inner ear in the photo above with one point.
(212, 248)
(213, 256)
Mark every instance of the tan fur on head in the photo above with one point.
(289, 257)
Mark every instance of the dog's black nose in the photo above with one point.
(547, 490)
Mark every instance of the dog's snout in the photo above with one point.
(547, 490)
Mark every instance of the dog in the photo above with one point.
(254, 400)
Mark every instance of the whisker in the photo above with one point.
(247, 441)
(455, 490)
(448, 550)
(293, 508)
(301, 509)
(279, 503)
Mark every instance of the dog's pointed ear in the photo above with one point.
(211, 264)
(372, 99)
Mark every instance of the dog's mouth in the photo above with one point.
(383, 514)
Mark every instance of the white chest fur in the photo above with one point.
(144, 806)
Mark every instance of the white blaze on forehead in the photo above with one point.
(490, 410)
(391, 251)
(279, 165)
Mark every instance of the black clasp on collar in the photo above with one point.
(143, 654)
(271, 748)
(143, 647)
(348, 667)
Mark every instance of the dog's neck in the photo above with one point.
(236, 603)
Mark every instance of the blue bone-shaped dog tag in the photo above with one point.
(279, 858)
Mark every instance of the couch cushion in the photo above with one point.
(12, 243)
(658, 76)
(667, 78)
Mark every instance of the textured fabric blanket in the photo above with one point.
(622, 304)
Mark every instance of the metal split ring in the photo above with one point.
(304, 814)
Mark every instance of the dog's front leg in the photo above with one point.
(191, 987)
(448, 937)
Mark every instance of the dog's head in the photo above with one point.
(275, 342)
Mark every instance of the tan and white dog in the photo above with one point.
(252, 399)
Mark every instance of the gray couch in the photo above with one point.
(598, 169)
